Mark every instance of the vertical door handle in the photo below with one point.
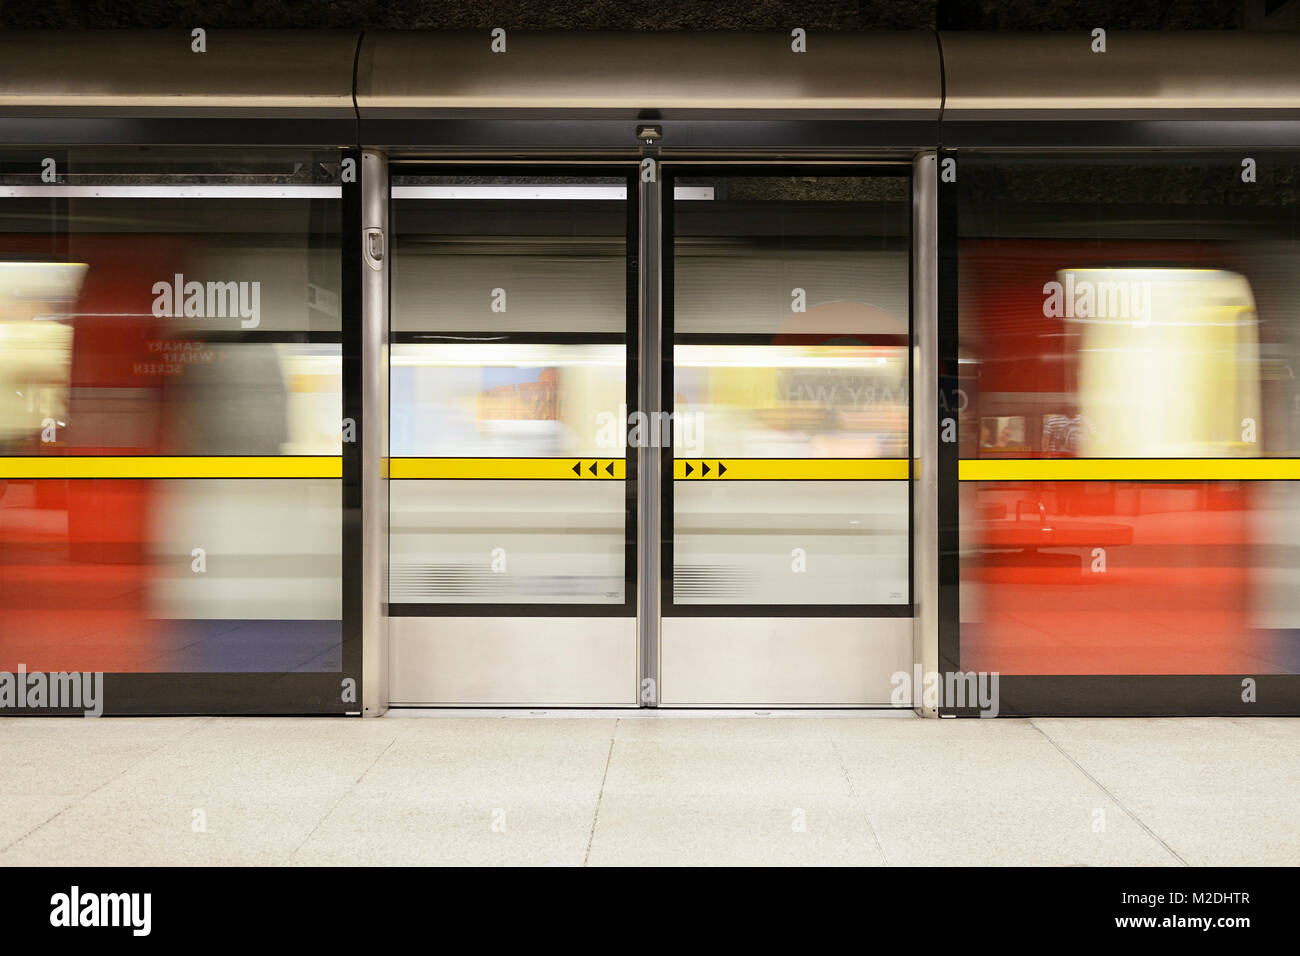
(372, 245)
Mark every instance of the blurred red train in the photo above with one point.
(1163, 359)
(96, 573)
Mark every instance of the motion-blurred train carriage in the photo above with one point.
(1160, 350)
(96, 375)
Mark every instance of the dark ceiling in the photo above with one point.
(655, 14)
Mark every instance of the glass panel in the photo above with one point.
(739, 543)
(790, 312)
(468, 399)
(1123, 308)
(504, 542)
(509, 391)
(489, 260)
(798, 401)
(1122, 577)
(159, 309)
(842, 240)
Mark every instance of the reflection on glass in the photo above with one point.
(815, 254)
(448, 287)
(273, 549)
(726, 287)
(507, 542)
(1119, 307)
(499, 280)
(507, 400)
(790, 542)
(100, 575)
(169, 324)
(509, 254)
(791, 311)
(1113, 577)
(806, 401)
(254, 398)
(82, 345)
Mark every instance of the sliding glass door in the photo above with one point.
(786, 513)
(519, 295)
(512, 493)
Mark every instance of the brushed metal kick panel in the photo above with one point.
(782, 661)
(513, 661)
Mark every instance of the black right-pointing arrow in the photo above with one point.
(689, 470)
(704, 466)
(722, 469)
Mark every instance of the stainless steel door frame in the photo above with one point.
(649, 487)
(374, 431)
(917, 635)
(925, 420)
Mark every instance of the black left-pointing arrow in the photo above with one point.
(592, 468)
(577, 469)
(609, 469)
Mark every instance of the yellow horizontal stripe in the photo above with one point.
(1130, 469)
(608, 469)
(177, 466)
(791, 469)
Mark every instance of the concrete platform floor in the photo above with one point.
(603, 790)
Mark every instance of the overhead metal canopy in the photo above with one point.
(430, 91)
(1140, 75)
(890, 75)
(591, 87)
(1147, 88)
(276, 86)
